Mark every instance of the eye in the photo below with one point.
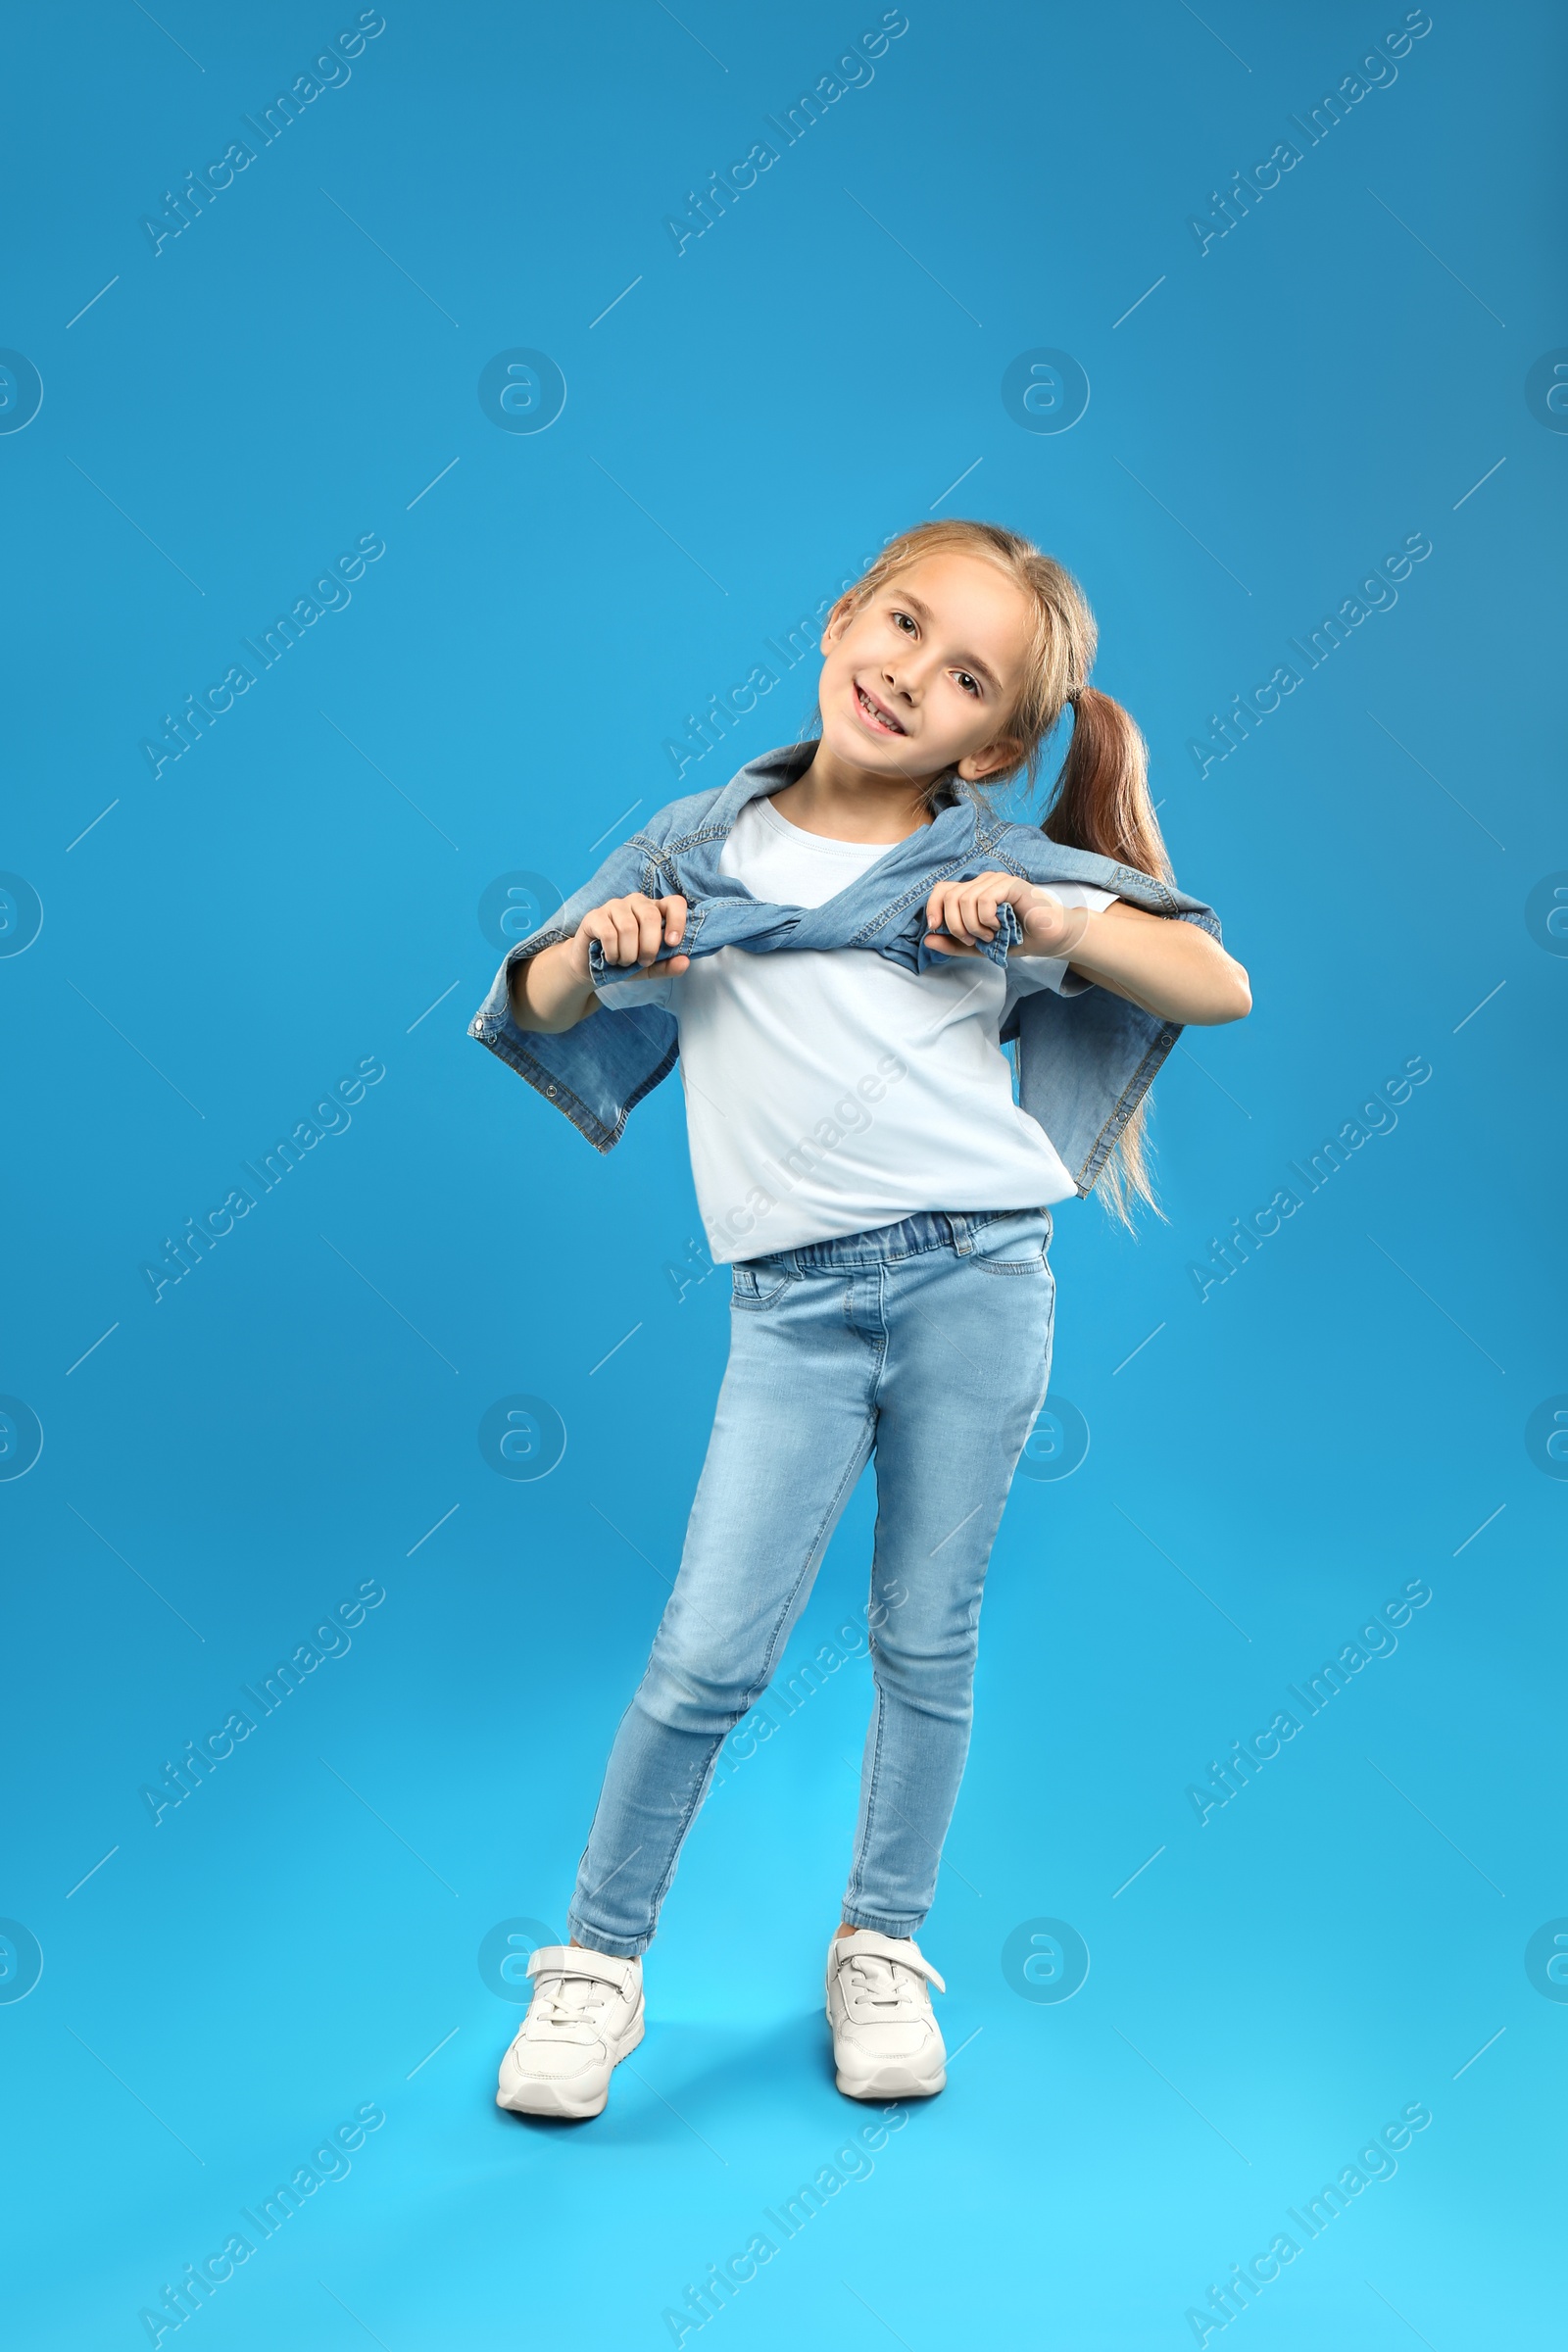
(969, 683)
(902, 621)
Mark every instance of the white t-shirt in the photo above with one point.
(830, 1092)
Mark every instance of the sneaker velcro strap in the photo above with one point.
(903, 1954)
(569, 1960)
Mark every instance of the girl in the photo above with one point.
(839, 941)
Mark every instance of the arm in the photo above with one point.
(553, 991)
(1171, 969)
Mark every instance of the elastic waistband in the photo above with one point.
(928, 1229)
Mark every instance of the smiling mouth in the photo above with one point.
(877, 714)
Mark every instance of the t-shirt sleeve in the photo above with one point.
(1028, 973)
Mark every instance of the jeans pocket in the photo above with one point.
(756, 1284)
(1013, 1245)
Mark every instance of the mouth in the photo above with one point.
(876, 716)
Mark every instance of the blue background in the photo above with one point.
(298, 891)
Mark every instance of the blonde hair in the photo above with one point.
(1100, 800)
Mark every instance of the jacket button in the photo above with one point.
(550, 1090)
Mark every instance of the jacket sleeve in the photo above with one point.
(600, 1070)
(1087, 1059)
(1085, 1063)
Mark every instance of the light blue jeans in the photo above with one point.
(927, 1343)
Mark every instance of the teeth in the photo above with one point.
(880, 717)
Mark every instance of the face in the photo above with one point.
(926, 676)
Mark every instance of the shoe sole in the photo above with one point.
(892, 2082)
(554, 2103)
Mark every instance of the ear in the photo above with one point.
(991, 760)
(838, 621)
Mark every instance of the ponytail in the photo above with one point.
(1101, 801)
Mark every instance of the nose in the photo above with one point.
(899, 675)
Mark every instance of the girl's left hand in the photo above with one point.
(965, 912)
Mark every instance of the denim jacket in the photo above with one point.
(1085, 1061)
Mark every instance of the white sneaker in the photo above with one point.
(886, 2044)
(586, 2016)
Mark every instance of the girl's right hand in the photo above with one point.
(631, 931)
(554, 990)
